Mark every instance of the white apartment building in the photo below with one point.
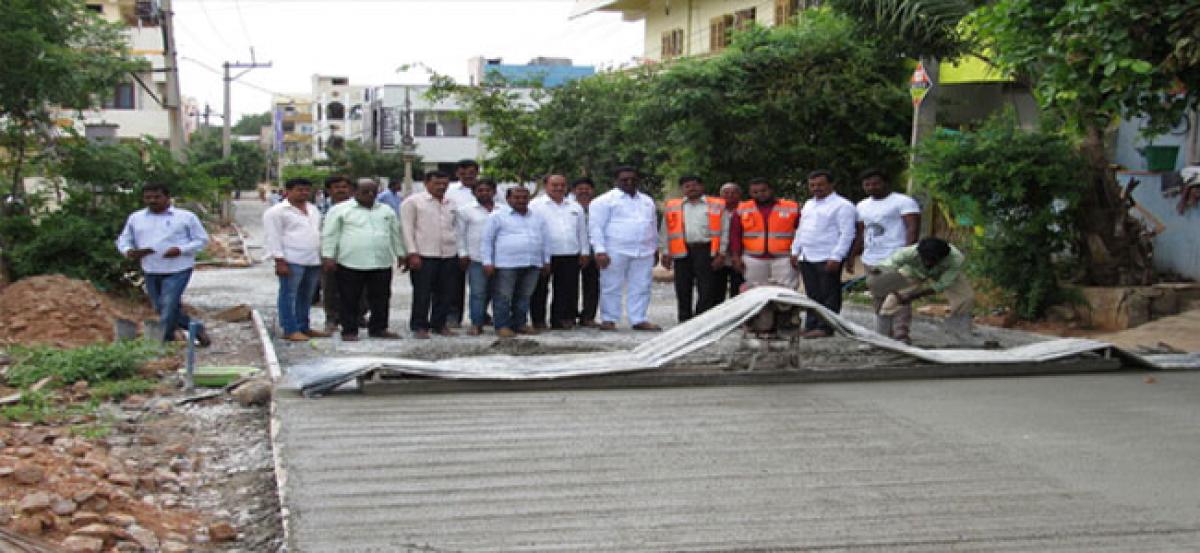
(339, 108)
(440, 133)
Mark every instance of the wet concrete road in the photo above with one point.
(1079, 463)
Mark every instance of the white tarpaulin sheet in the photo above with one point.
(324, 374)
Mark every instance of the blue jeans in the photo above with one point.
(510, 304)
(166, 293)
(482, 290)
(295, 296)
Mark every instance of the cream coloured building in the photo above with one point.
(132, 110)
(681, 28)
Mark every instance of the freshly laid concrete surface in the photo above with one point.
(1081, 463)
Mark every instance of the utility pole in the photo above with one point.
(173, 104)
(225, 138)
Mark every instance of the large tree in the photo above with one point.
(1090, 64)
(242, 170)
(53, 54)
(779, 103)
(252, 124)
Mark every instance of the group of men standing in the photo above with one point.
(515, 253)
(712, 242)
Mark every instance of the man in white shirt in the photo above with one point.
(165, 239)
(462, 193)
(569, 252)
(623, 230)
(887, 221)
(468, 224)
(515, 250)
(821, 246)
(293, 239)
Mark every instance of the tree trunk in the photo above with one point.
(1113, 246)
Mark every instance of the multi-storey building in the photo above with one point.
(133, 110)
(680, 28)
(293, 127)
(340, 108)
(440, 134)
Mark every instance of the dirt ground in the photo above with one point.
(57, 311)
(163, 471)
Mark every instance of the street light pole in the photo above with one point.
(173, 103)
(407, 146)
(225, 134)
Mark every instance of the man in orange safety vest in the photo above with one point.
(692, 238)
(760, 237)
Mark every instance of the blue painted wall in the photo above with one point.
(1129, 142)
(1177, 248)
(549, 75)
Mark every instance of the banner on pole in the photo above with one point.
(920, 85)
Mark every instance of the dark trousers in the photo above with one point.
(564, 278)
(333, 301)
(824, 287)
(694, 272)
(377, 284)
(433, 288)
(591, 291)
(727, 282)
(458, 290)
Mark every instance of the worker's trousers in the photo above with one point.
(632, 275)
(775, 271)
(882, 282)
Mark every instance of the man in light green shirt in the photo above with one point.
(931, 266)
(360, 241)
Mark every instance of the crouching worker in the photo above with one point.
(929, 267)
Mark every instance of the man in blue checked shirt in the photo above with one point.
(165, 240)
(515, 250)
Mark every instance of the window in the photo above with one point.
(289, 126)
(320, 111)
(335, 110)
(720, 32)
(430, 129)
(97, 8)
(122, 98)
(786, 10)
(743, 18)
(672, 43)
(339, 81)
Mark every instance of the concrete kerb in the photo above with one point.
(275, 371)
(245, 247)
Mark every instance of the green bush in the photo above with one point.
(79, 239)
(1020, 190)
(73, 245)
(95, 363)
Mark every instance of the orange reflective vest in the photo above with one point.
(772, 237)
(677, 235)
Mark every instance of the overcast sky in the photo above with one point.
(366, 40)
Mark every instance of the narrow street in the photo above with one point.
(1071, 463)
